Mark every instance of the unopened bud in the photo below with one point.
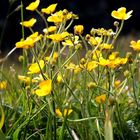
(78, 46)
(21, 58)
(116, 23)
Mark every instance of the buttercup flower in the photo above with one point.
(50, 29)
(91, 65)
(117, 83)
(93, 41)
(106, 46)
(45, 88)
(121, 14)
(29, 41)
(59, 17)
(78, 29)
(59, 78)
(29, 23)
(71, 42)
(117, 62)
(102, 31)
(33, 6)
(103, 62)
(65, 112)
(73, 67)
(35, 67)
(113, 55)
(100, 99)
(27, 80)
(49, 10)
(58, 37)
(135, 45)
(3, 85)
(96, 55)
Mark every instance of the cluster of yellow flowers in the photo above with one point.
(99, 45)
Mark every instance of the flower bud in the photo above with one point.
(20, 58)
(78, 29)
(78, 46)
(111, 100)
(116, 23)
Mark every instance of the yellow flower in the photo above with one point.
(60, 16)
(78, 29)
(71, 42)
(35, 37)
(117, 83)
(45, 88)
(93, 41)
(27, 80)
(113, 55)
(103, 62)
(29, 42)
(49, 29)
(50, 9)
(106, 46)
(33, 6)
(117, 62)
(65, 112)
(91, 65)
(102, 31)
(121, 14)
(135, 45)
(35, 67)
(100, 99)
(3, 85)
(123, 61)
(73, 67)
(29, 23)
(59, 78)
(58, 37)
(96, 55)
(77, 69)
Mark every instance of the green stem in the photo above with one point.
(64, 64)
(43, 18)
(117, 34)
(38, 64)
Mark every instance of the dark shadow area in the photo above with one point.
(91, 13)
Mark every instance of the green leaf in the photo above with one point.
(2, 117)
(108, 130)
(2, 136)
(16, 133)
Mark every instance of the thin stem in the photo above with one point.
(42, 16)
(117, 34)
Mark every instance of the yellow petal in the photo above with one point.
(33, 6)
(29, 23)
(101, 99)
(3, 85)
(35, 68)
(50, 9)
(67, 112)
(45, 88)
(121, 14)
(58, 112)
